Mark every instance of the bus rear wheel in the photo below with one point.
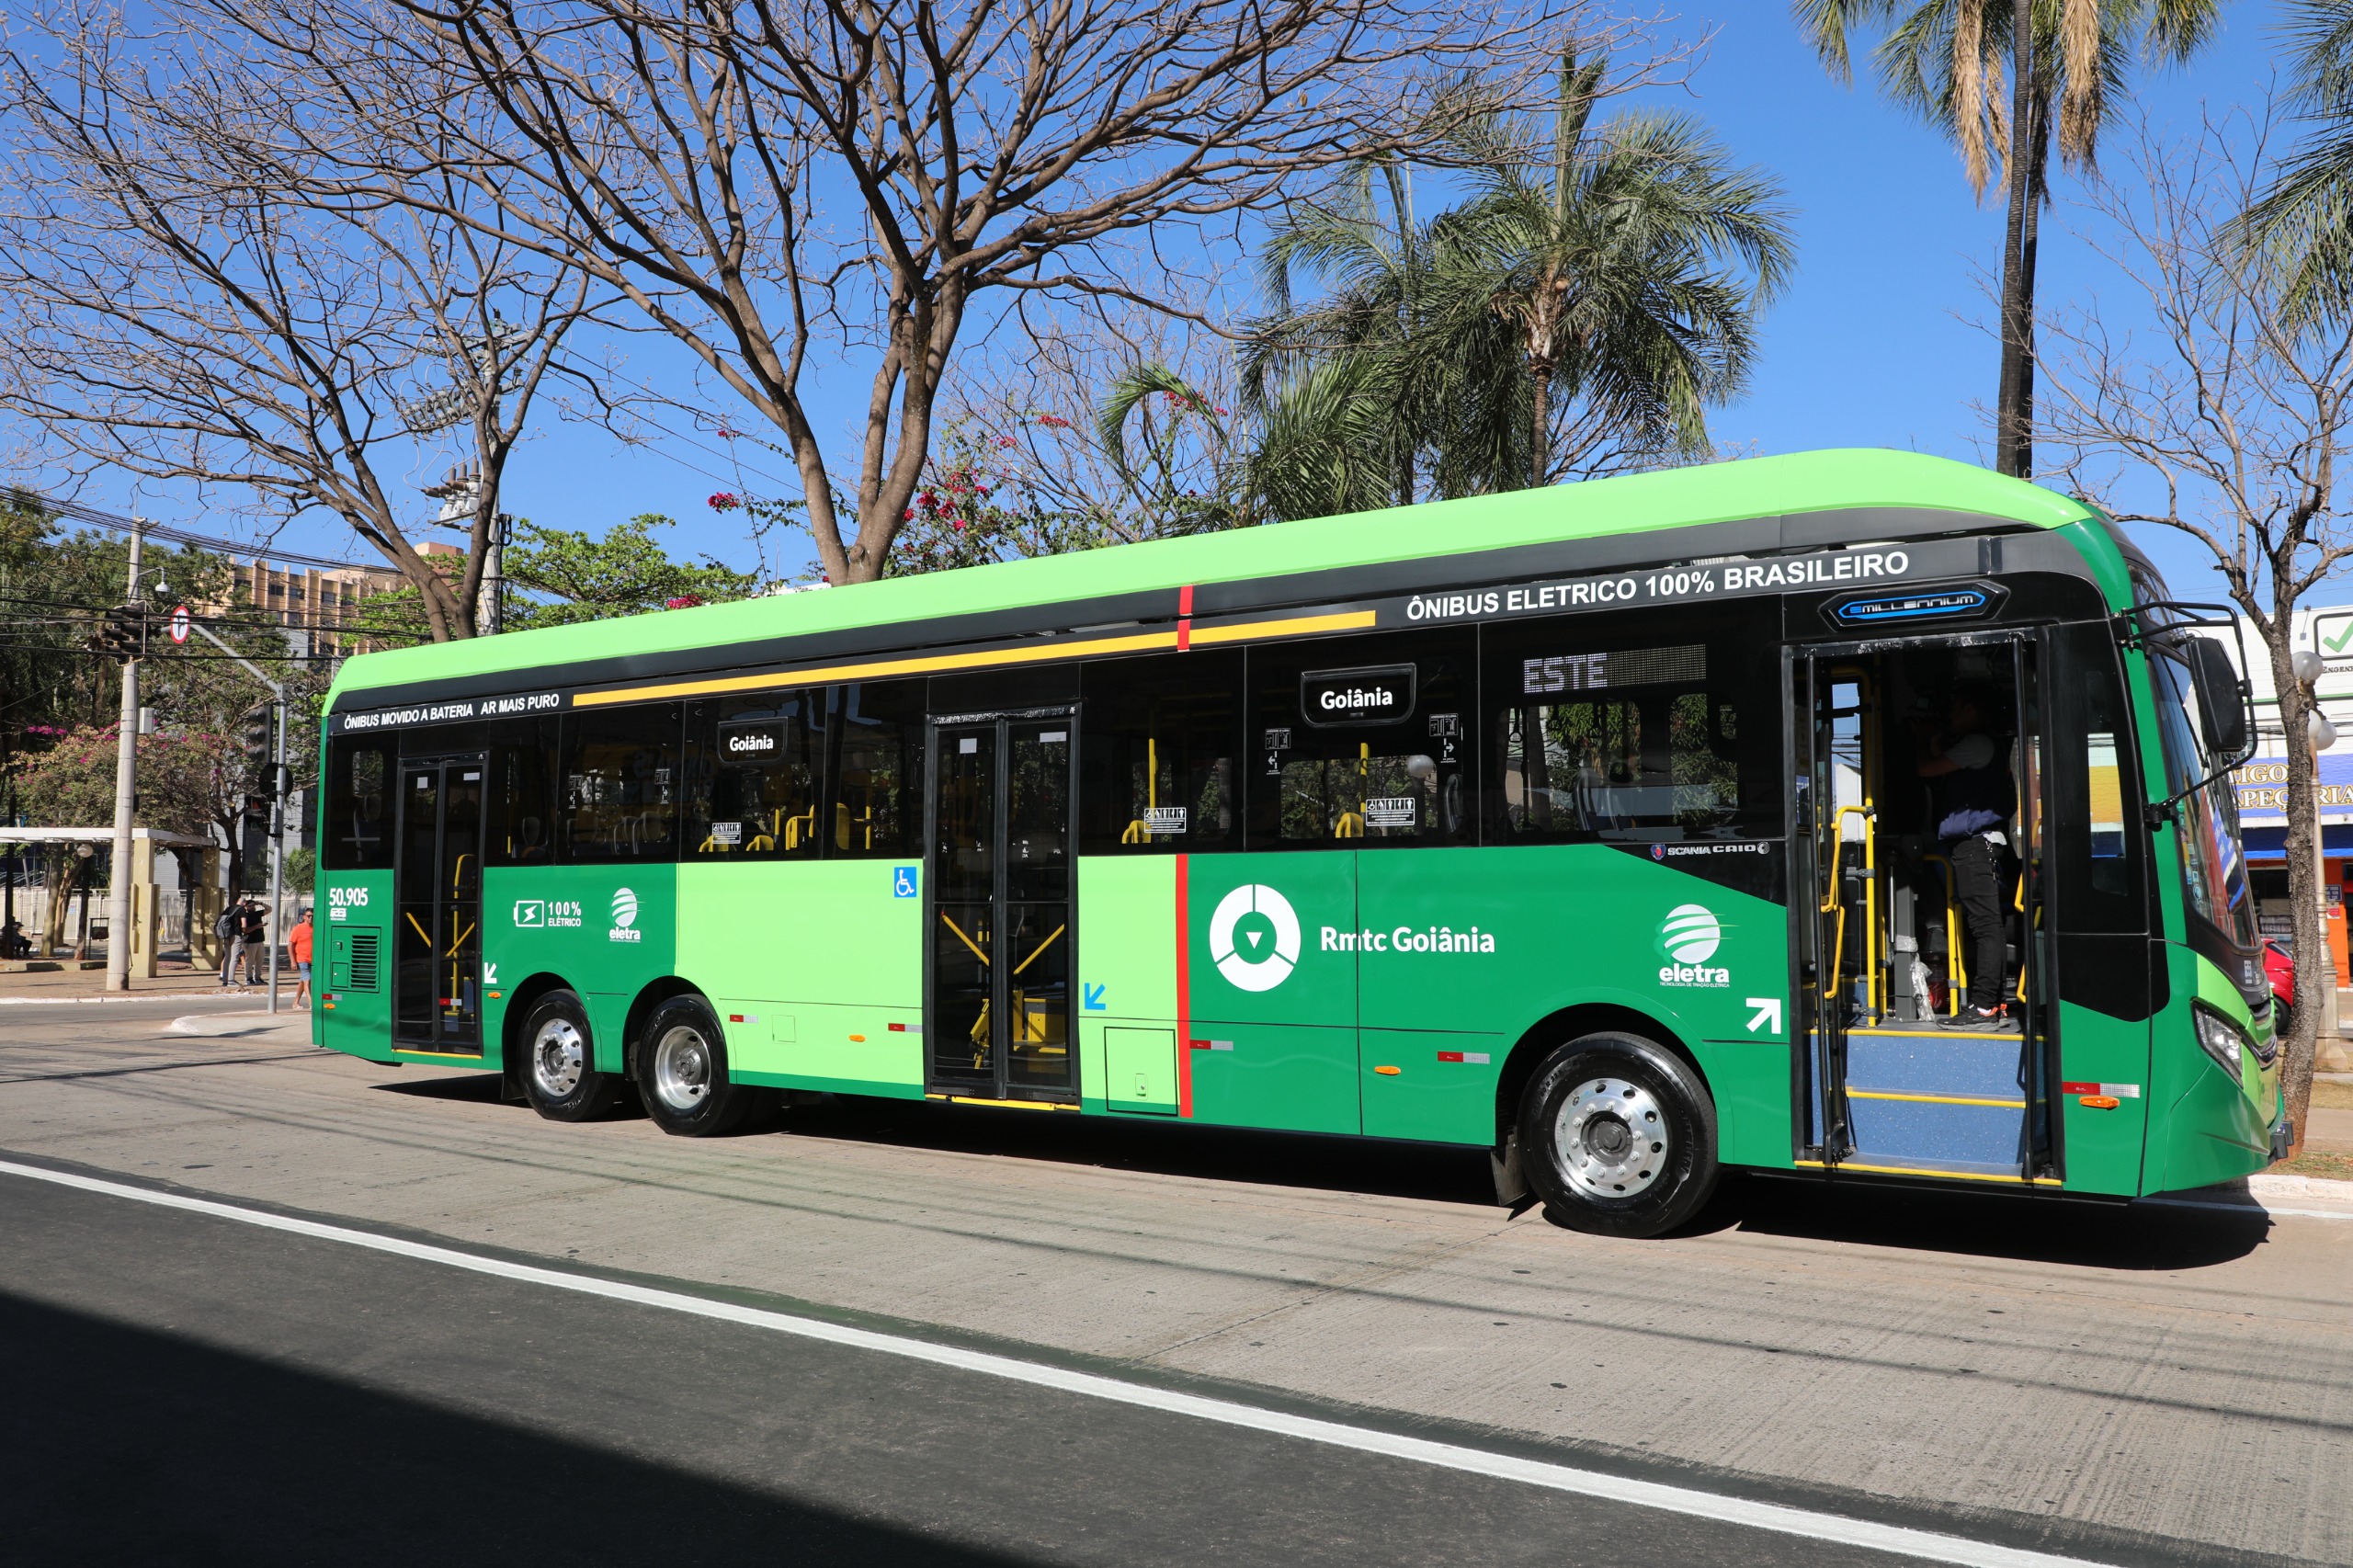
(682, 1074)
(560, 1076)
(1617, 1135)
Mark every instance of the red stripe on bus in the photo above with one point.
(2079, 1088)
(1185, 617)
(1184, 995)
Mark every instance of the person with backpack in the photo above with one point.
(232, 945)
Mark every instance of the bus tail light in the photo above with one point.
(2219, 1038)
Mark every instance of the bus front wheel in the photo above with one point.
(560, 1076)
(682, 1074)
(1619, 1136)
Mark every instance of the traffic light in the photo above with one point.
(122, 632)
(258, 735)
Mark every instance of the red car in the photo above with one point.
(2280, 969)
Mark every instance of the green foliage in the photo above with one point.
(1578, 314)
(558, 577)
(627, 572)
(2302, 225)
(188, 781)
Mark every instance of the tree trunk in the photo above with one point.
(2314, 972)
(2009, 434)
(2038, 172)
(1540, 427)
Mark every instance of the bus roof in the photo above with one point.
(1805, 481)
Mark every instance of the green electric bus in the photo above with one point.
(1580, 825)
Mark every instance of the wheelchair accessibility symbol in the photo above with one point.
(1254, 938)
(903, 881)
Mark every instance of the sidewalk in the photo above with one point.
(71, 985)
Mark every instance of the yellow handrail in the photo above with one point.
(1832, 902)
(1956, 969)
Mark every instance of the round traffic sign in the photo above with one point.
(180, 624)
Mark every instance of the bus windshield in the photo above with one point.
(2213, 868)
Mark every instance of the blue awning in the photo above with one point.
(2269, 845)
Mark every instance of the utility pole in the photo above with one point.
(126, 778)
(277, 841)
(490, 618)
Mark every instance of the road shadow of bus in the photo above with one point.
(2036, 1227)
(2030, 1228)
(1431, 1173)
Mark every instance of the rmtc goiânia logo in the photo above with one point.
(1254, 938)
(1688, 939)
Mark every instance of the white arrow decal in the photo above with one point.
(1767, 1015)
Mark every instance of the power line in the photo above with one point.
(121, 524)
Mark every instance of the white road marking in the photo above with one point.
(1895, 1539)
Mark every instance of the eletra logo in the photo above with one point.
(625, 917)
(1254, 938)
(1690, 934)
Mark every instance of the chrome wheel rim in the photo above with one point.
(1612, 1138)
(559, 1058)
(682, 1068)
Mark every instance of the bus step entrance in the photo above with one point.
(1912, 743)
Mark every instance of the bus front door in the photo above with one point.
(1898, 1080)
(437, 899)
(1001, 918)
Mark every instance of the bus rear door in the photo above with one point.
(1002, 925)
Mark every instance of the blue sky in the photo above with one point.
(1876, 343)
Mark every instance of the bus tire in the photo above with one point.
(682, 1074)
(1617, 1136)
(560, 1076)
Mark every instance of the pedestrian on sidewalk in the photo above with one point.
(233, 946)
(244, 921)
(298, 942)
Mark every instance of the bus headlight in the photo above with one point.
(2220, 1038)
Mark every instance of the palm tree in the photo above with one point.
(1577, 310)
(1605, 261)
(1346, 387)
(2304, 220)
(1945, 60)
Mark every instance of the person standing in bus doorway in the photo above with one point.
(298, 943)
(1975, 796)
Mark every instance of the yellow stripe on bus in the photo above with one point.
(935, 663)
(1925, 1171)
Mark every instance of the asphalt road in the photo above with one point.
(2124, 1386)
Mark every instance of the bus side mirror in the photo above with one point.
(2221, 698)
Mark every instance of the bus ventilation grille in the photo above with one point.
(363, 959)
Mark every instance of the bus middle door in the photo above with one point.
(436, 901)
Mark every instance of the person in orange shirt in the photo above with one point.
(298, 942)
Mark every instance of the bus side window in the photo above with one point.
(1159, 745)
(521, 830)
(873, 737)
(359, 816)
(1616, 730)
(620, 784)
(1362, 742)
(751, 778)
